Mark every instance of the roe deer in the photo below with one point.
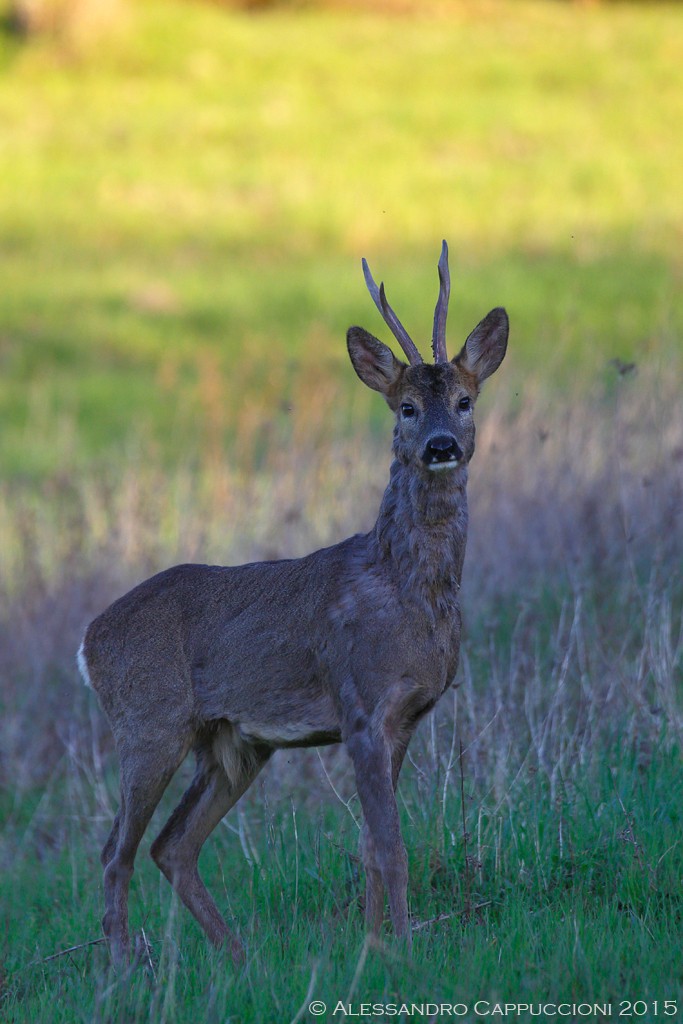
(352, 644)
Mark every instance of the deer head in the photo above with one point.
(433, 403)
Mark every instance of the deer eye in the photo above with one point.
(407, 410)
(465, 403)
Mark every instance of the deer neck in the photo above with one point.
(421, 531)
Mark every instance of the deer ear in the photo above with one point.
(375, 364)
(483, 352)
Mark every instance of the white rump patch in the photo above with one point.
(83, 666)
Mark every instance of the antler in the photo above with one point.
(441, 311)
(390, 318)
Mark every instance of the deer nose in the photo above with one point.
(441, 451)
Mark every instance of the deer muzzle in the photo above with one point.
(442, 452)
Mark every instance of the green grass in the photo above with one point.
(565, 905)
(209, 181)
(558, 878)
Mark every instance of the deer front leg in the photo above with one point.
(374, 887)
(384, 853)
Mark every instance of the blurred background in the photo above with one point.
(186, 192)
(187, 188)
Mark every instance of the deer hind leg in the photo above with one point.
(226, 767)
(145, 774)
(109, 848)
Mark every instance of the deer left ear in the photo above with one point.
(483, 352)
(373, 361)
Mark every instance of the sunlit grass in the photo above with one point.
(210, 180)
(523, 122)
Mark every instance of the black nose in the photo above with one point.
(442, 448)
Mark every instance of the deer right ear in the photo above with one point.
(373, 361)
(483, 352)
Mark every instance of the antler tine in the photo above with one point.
(390, 318)
(441, 311)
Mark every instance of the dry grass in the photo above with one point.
(573, 586)
(557, 821)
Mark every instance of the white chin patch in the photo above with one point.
(440, 467)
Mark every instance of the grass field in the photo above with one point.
(183, 211)
(202, 189)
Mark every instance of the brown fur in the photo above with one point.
(352, 644)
